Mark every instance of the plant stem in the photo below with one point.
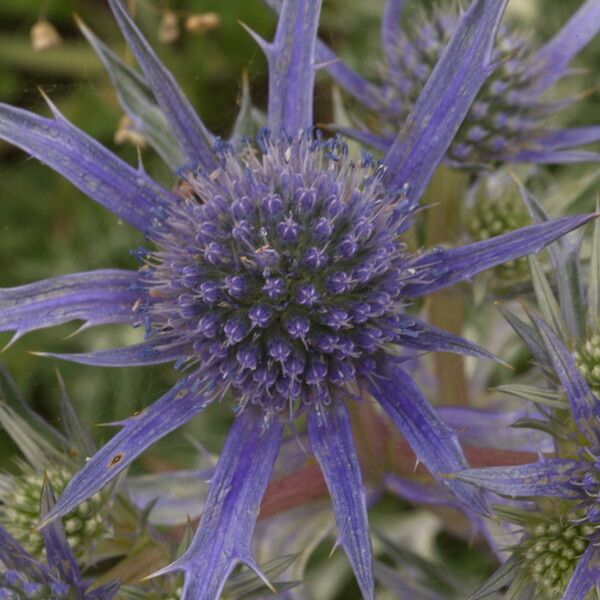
(446, 308)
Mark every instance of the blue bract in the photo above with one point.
(278, 277)
(510, 120)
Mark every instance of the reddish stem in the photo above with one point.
(308, 484)
(293, 490)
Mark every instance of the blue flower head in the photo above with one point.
(277, 276)
(510, 119)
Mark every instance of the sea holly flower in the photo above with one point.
(564, 539)
(59, 578)
(557, 556)
(277, 276)
(511, 118)
(109, 533)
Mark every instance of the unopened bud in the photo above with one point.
(168, 30)
(201, 23)
(44, 35)
(126, 134)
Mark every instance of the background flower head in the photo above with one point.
(511, 118)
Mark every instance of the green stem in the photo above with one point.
(446, 308)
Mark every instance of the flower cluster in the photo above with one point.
(280, 273)
(21, 510)
(558, 553)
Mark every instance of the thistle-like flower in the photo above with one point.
(21, 576)
(559, 553)
(277, 277)
(510, 120)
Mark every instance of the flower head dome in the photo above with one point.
(276, 275)
(282, 272)
(510, 119)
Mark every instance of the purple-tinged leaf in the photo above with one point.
(224, 535)
(106, 592)
(139, 432)
(96, 297)
(58, 552)
(365, 92)
(547, 302)
(193, 137)
(465, 64)
(150, 352)
(391, 33)
(585, 406)
(441, 268)
(569, 138)
(137, 100)
(586, 575)
(529, 335)
(378, 142)
(553, 58)
(499, 580)
(554, 477)
(433, 442)
(420, 494)
(291, 59)
(483, 428)
(536, 395)
(330, 435)
(554, 157)
(564, 255)
(418, 335)
(127, 192)
(13, 556)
